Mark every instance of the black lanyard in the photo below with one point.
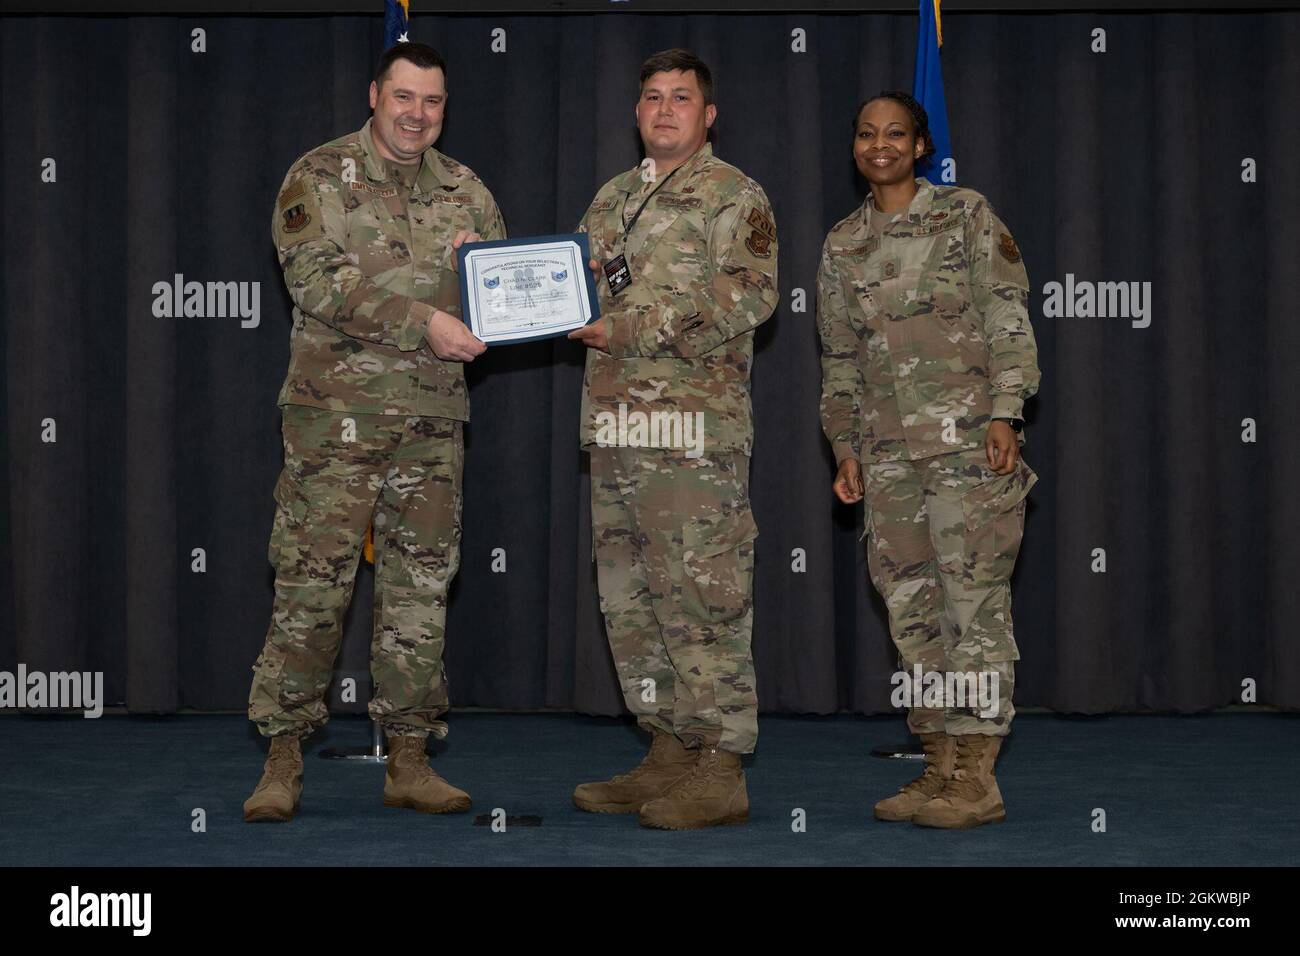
(627, 230)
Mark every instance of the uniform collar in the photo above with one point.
(916, 210)
(432, 172)
(631, 180)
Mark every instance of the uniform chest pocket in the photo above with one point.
(602, 242)
(912, 270)
(856, 287)
(942, 281)
(378, 241)
(434, 226)
(443, 215)
(671, 234)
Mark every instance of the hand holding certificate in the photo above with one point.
(518, 290)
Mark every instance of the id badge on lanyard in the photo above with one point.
(617, 273)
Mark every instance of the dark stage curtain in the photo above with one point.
(1116, 166)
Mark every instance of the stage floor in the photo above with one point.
(1202, 791)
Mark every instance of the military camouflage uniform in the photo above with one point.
(925, 336)
(372, 426)
(674, 534)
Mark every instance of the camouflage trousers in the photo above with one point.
(405, 475)
(674, 551)
(944, 535)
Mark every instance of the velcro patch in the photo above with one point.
(295, 219)
(459, 200)
(386, 192)
(296, 190)
(298, 214)
(866, 249)
(1010, 251)
(759, 244)
(761, 223)
(678, 202)
(932, 224)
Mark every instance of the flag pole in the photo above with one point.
(927, 89)
(397, 23)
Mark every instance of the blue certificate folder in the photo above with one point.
(474, 297)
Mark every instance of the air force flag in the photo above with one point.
(397, 18)
(927, 88)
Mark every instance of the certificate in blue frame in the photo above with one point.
(471, 297)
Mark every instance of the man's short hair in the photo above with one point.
(670, 60)
(421, 54)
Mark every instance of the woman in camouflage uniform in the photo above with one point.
(927, 359)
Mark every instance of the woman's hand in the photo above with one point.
(848, 482)
(1002, 448)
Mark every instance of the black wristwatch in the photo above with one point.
(1015, 423)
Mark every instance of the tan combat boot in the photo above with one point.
(971, 796)
(940, 750)
(412, 784)
(666, 763)
(712, 795)
(275, 800)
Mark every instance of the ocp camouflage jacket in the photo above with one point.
(924, 328)
(366, 261)
(702, 257)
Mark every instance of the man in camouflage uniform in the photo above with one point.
(667, 419)
(928, 357)
(374, 405)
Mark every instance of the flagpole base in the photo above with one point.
(376, 753)
(906, 751)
